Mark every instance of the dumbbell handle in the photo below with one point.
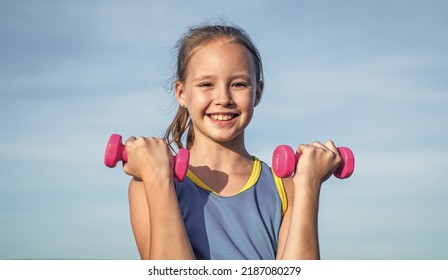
(115, 152)
(284, 161)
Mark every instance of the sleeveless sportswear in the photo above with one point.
(242, 226)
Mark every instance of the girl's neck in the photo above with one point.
(219, 156)
(224, 167)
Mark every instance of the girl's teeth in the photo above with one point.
(221, 117)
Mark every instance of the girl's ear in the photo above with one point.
(179, 93)
(259, 92)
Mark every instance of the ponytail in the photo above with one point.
(180, 124)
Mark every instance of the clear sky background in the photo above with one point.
(371, 75)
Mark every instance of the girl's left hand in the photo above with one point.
(317, 162)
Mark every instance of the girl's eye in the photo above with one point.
(205, 84)
(239, 84)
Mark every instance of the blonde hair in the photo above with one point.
(186, 46)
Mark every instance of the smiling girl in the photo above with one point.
(231, 205)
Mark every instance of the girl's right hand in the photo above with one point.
(148, 158)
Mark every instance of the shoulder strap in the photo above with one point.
(281, 192)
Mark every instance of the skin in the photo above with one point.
(220, 92)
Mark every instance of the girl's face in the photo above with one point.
(220, 90)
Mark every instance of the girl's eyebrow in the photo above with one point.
(203, 77)
(209, 77)
(241, 76)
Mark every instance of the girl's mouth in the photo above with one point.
(222, 116)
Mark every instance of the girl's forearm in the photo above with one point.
(168, 238)
(302, 239)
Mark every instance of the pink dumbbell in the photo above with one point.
(115, 152)
(284, 161)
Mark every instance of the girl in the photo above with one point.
(231, 205)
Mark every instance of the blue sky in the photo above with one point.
(371, 75)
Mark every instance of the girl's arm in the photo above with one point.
(155, 215)
(298, 238)
(139, 212)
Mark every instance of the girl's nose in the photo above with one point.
(223, 96)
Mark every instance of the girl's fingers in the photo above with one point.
(300, 148)
(319, 145)
(330, 145)
(130, 139)
(314, 145)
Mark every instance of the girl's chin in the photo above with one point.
(227, 137)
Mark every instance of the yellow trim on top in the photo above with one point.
(256, 171)
(195, 179)
(281, 192)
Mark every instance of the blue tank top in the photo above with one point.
(242, 226)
